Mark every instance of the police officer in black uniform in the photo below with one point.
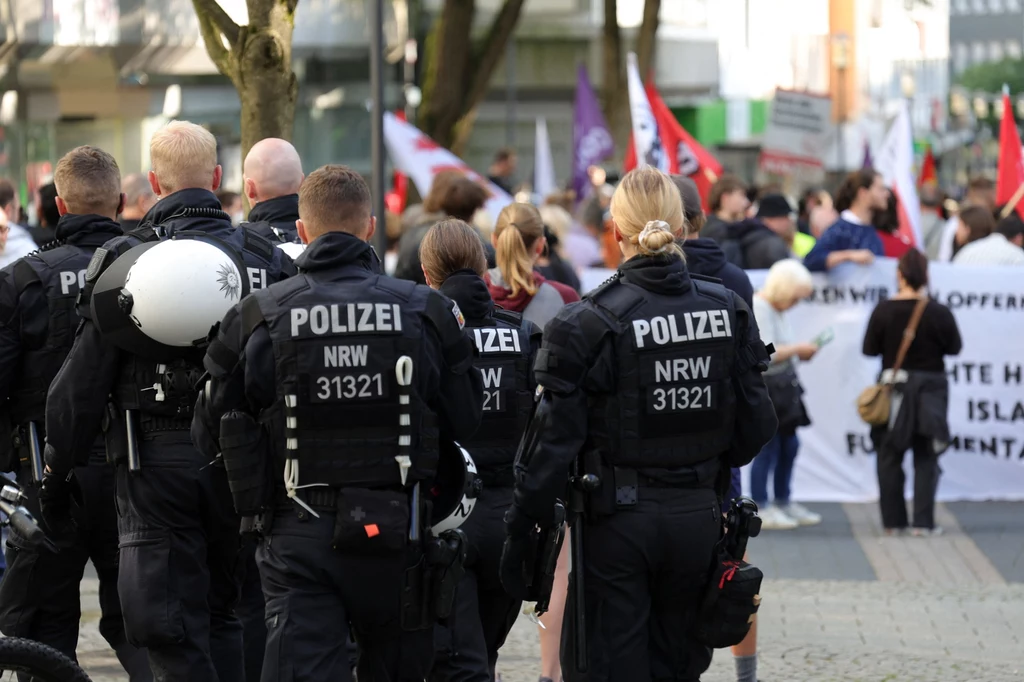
(453, 262)
(272, 175)
(179, 571)
(39, 596)
(651, 384)
(352, 377)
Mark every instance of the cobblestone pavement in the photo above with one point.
(944, 609)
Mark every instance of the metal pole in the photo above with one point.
(510, 92)
(377, 121)
(842, 121)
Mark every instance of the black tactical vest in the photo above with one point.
(165, 394)
(336, 346)
(673, 403)
(503, 356)
(61, 271)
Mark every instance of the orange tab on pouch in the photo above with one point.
(371, 530)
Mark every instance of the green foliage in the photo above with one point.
(990, 77)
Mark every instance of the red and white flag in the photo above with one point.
(1011, 164)
(422, 159)
(673, 150)
(895, 161)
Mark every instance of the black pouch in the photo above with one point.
(115, 434)
(244, 453)
(371, 521)
(447, 558)
(731, 599)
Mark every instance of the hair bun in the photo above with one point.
(656, 237)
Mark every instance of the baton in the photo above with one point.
(403, 373)
(35, 453)
(134, 464)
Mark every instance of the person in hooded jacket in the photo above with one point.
(705, 257)
(757, 243)
(655, 438)
(40, 594)
(179, 534)
(453, 263)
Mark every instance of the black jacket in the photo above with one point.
(705, 257)
(275, 219)
(249, 384)
(756, 245)
(923, 401)
(715, 229)
(578, 369)
(78, 398)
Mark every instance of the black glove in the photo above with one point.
(517, 554)
(59, 498)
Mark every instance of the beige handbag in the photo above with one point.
(874, 402)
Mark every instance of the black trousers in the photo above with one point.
(892, 482)
(40, 594)
(315, 592)
(645, 568)
(467, 645)
(180, 562)
(252, 612)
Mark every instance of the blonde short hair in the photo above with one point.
(644, 196)
(89, 181)
(183, 156)
(785, 281)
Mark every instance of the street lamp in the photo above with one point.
(377, 121)
(841, 60)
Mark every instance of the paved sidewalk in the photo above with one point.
(841, 602)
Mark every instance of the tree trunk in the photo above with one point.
(614, 93)
(458, 73)
(258, 60)
(647, 38)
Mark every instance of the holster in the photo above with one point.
(246, 460)
(544, 558)
(115, 434)
(428, 593)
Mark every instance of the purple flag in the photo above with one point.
(592, 141)
(868, 161)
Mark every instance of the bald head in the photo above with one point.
(272, 169)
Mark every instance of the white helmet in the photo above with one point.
(455, 489)
(161, 299)
(293, 249)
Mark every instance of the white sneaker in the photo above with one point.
(801, 514)
(773, 518)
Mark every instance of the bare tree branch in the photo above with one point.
(212, 37)
(213, 12)
(645, 43)
(492, 49)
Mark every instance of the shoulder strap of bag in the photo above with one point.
(909, 333)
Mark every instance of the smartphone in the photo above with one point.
(824, 337)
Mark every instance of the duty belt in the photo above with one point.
(317, 497)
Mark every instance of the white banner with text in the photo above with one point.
(985, 460)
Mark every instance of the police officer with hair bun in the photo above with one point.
(328, 398)
(651, 389)
(453, 262)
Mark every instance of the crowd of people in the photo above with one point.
(614, 406)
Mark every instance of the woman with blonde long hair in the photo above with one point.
(653, 385)
(515, 285)
(453, 263)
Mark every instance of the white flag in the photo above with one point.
(895, 161)
(646, 137)
(421, 159)
(543, 164)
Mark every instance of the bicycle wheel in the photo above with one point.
(25, 660)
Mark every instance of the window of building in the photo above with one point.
(962, 6)
(978, 53)
(995, 51)
(1012, 5)
(1013, 49)
(961, 57)
(980, 6)
(996, 6)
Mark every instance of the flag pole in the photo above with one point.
(1012, 203)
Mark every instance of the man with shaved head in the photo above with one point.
(271, 176)
(178, 579)
(139, 198)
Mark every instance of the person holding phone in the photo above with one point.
(788, 283)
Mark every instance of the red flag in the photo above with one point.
(395, 200)
(928, 172)
(686, 156)
(1011, 165)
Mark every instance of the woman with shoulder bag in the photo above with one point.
(912, 334)
(788, 282)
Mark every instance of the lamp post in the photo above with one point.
(377, 122)
(841, 60)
